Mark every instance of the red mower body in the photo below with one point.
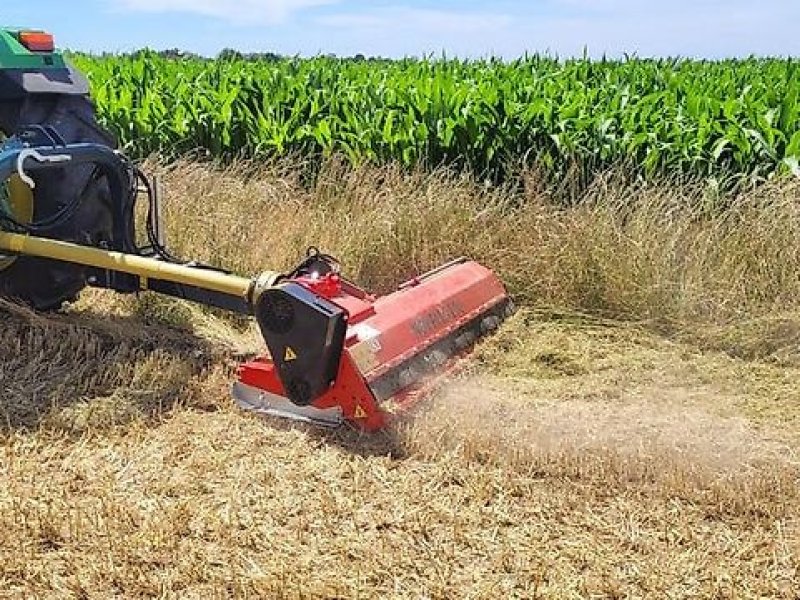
(393, 344)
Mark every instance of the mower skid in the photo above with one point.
(393, 345)
(266, 403)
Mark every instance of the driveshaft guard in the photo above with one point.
(305, 335)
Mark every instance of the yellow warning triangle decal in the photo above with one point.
(290, 354)
(359, 412)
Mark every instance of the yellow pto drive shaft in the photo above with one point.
(142, 267)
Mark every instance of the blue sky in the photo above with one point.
(470, 28)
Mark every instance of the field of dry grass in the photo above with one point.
(631, 432)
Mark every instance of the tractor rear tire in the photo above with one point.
(46, 284)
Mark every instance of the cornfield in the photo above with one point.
(735, 119)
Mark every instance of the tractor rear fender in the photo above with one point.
(18, 83)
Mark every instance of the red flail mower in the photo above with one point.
(341, 355)
(337, 354)
(68, 206)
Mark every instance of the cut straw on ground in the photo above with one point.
(631, 432)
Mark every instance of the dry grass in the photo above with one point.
(630, 251)
(649, 455)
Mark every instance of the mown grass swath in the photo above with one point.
(727, 118)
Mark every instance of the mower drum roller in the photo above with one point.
(336, 354)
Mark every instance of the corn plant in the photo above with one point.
(701, 118)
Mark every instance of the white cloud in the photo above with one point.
(508, 28)
(407, 31)
(240, 12)
(627, 7)
(400, 18)
(694, 28)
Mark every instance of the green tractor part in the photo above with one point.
(28, 49)
(30, 64)
(41, 94)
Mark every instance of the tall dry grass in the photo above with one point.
(635, 251)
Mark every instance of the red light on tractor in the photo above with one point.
(37, 41)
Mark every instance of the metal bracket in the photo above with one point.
(158, 217)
